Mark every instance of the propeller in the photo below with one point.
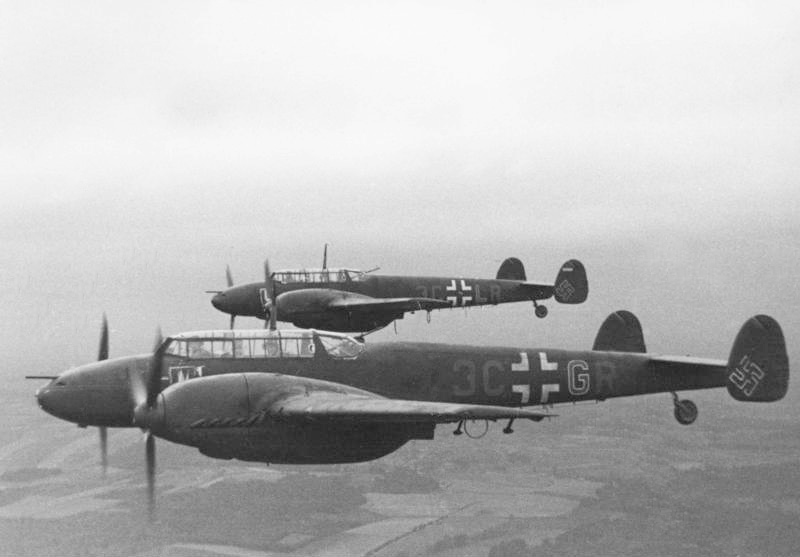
(158, 340)
(229, 280)
(102, 354)
(144, 392)
(150, 458)
(325, 258)
(104, 449)
(271, 310)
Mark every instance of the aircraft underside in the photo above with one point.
(343, 322)
(305, 444)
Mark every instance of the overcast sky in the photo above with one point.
(145, 145)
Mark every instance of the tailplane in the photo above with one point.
(620, 332)
(571, 285)
(758, 367)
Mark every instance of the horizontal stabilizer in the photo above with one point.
(511, 269)
(620, 332)
(758, 367)
(571, 285)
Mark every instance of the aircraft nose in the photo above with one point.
(48, 399)
(218, 301)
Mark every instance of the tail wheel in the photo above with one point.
(540, 311)
(685, 412)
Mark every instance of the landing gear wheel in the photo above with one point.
(477, 431)
(685, 412)
(540, 311)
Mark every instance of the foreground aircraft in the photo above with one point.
(347, 300)
(311, 397)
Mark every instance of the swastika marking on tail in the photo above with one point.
(746, 376)
(565, 290)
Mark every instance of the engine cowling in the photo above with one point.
(313, 308)
(229, 416)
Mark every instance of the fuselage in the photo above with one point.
(249, 299)
(468, 374)
(100, 393)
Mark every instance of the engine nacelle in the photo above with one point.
(312, 308)
(225, 416)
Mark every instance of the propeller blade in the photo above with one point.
(158, 339)
(273, 306)
(154, 376)
(233, 320)
(104, 449)
(103, 352)
(228, 275)
(150, 456)
(325, 258)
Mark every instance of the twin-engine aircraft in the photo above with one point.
(347, 300)
(310, 397)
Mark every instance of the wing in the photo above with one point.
(366, 305)
(358, 407)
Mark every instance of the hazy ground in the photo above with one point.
(618, 478)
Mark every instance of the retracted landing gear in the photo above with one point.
(540, 311)
(685, 410)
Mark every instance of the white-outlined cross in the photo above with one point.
(459, 296)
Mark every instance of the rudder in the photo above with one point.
(571, 285)
(620, 332)
(758, 366)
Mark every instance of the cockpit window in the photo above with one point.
(177, 348)
(317, 275)
(241, 348)
(266, 347)
(255, 344)
(355, 276)
(341, 347)
(222, 348)
(200, 349)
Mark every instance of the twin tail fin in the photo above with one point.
(758, 366)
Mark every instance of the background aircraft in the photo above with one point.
(348, 300)
(304, 397)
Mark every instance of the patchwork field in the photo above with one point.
(615, 478)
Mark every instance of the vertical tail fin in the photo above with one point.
(620, 332)
(511, 269)
(758, 367)
(571, 285)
